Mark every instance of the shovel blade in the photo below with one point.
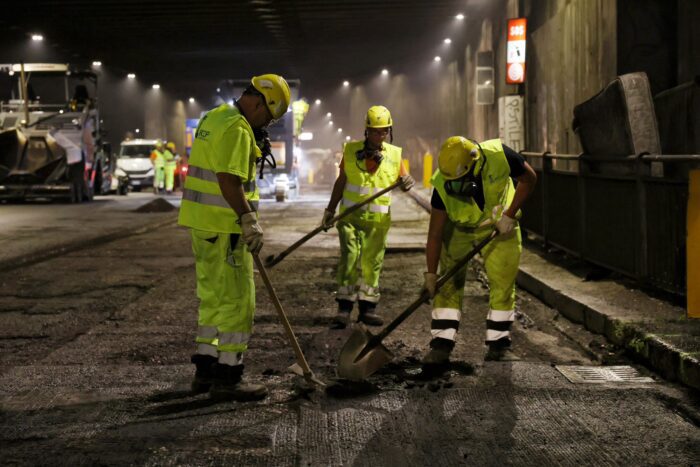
(373, 360)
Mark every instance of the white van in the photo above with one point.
(134, 162)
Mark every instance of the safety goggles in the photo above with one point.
(463, 187)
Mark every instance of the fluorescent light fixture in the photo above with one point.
(437, 58)
(156, 86)
(447, 40)
(346, 83)
(131, 76)
(37, 37)
(385, 72)
(459, 16)
(306, 136)
(97, 63)
(191, 100)
(318, 101)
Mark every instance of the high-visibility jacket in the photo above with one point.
(224, 142)
(497, 184)
(361, 184)
(169, 158)
(157, 158)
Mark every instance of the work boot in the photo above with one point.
(439, 353)
(368, 314)
(204, 374)
(499, 352)
(228, 385)
(342, 318)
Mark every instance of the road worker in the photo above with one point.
(366, 167)
(474, 193)
(219, 205)
(158, 161)
(169, 166)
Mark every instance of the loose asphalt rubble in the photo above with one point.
(653, 331)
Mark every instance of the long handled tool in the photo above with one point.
(301, 360)
(271, 260)
(363, 353)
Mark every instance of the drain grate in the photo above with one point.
(602, 374)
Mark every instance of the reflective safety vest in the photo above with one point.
(157, 158)
(361, 184)
(497, 184)
(203, 206)
(169, 158)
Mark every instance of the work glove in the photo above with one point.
(407, 182)
(328, 216)
(430, 283)
(252, 232)
(505, 225)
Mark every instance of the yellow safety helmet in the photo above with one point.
(276, 92)
(170, 146)
(457, 155)
(378, 116)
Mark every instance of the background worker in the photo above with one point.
(219, 205)
(367, 167)
(158, 161)
(474, 193)
(169, 166)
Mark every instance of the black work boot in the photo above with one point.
(368, 314)
(228, 385)
(438, 357)
(342, 318)
(204, 374)
(499, 351)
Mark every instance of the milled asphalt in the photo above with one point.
(655, 332)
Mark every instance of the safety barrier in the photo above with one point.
(628, 214)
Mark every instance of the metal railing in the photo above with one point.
(627, 214)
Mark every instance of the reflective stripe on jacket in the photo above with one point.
(497, 184)
(361, 184)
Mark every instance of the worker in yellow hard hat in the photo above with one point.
(158, 161)
(367, 166)
(474, 193)
(169, 166)
(219, 205)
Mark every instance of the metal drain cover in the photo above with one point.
(602, 374)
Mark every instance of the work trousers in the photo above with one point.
(501, 258)
(226, 290)
(169, 176)
(362, 243)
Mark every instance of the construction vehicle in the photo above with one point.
(51, 143)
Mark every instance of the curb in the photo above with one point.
(69, 247)
(670, 362)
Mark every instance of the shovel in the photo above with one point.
(271, 260)
(301, 360)
(363, 353)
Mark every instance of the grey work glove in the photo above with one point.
(430, 283)
(407, 182)
(328, 216)
(252, 232)
(505, 225)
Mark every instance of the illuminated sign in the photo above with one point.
(515, 51)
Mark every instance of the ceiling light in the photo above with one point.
(218, 89)
(447, 40)
(340, 130)
(346, 83)
(191, 100)
(318, 101)
(437, 58)
(331, 122)
(97, 63)
(328, 114)
(131, 76)
(156, 86)
(37, 37)
(138, 131)
(459, 16)
(347, 138)
(385, 72)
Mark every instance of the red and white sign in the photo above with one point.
(515, 51)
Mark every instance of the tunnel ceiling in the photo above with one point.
(180, 42)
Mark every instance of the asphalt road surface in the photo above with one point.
(95, 348)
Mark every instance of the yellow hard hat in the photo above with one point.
(170, 146)
(159, 143)
(378, 116)
(276, 92)
(457, 155)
